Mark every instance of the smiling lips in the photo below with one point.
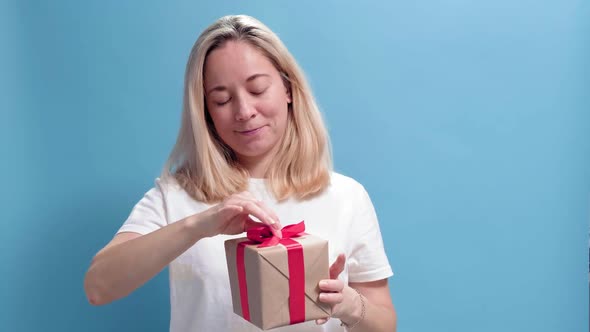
(250, 132)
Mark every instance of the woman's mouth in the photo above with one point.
(250, 132)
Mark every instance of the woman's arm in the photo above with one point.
(379, 311)
(347, 304)
(131, 259)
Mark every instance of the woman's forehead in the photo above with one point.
(236, 61)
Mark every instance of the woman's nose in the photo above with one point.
(244, 110)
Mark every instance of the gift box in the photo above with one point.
(274, 282)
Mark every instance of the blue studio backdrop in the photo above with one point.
(467, 121)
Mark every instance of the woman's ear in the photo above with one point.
(289, 97)
(287, 85)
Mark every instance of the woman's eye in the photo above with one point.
(222, 103)
(258, 92)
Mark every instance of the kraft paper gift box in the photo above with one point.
(275, 282)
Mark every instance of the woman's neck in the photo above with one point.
(255, 169)
(257, 166)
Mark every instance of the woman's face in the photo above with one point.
(246, 99)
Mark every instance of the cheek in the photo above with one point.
(220, 122)
(283, 116)
(276, 109)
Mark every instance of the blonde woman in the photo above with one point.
(252, 145)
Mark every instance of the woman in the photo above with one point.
(252, 148)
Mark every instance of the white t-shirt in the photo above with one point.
(200, 293)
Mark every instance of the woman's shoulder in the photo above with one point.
(343, 183)
(170, 189)
(167, 183)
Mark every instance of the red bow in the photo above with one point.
(266, 238)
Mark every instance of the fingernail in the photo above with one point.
(279, 234)
(323, 283)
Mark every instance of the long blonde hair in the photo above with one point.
(207, 168)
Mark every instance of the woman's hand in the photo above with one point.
(343, 299)
(232, 216)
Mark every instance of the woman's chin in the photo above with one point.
(253, 153)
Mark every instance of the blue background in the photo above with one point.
(468, 122)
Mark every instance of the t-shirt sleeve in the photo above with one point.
(149, 214)
(367, 260)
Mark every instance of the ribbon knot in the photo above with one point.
(266, 238)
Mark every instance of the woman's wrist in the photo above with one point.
(197, 225)
(357, 308)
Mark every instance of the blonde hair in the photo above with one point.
(206, 168)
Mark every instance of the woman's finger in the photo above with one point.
(250, 223)
(331, 298)
(255, 210)
(329, 285)
(321, 321)
(337, 267)
(246, 195)
(270, 212)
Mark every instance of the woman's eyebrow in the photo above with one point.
(255, 76)
(217, 88)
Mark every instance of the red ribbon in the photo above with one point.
(266, 238)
